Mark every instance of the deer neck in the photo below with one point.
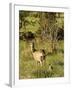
(32, 47)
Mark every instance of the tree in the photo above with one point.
(22, 16)
(53, 28)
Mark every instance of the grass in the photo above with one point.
(28, 68)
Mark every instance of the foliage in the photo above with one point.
(47, 30)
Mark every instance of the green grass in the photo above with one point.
(28, 68)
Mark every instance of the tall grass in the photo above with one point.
(28, 68)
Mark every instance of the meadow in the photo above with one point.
(28, 68)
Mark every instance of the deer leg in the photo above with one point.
(41, 63)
